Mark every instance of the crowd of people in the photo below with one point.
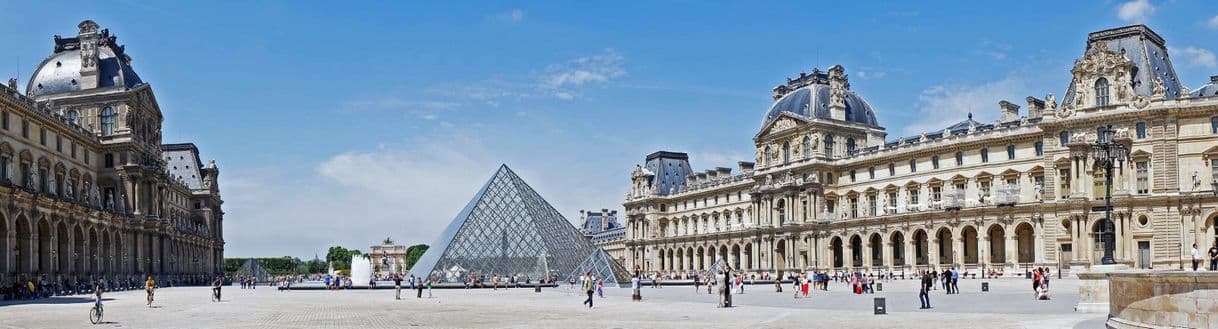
(27, 288)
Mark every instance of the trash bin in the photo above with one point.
(1027, 275)
(880, 306)
(537, 287)
(985, 286)
(879, 286)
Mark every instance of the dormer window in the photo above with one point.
(1101, 92)
(107, 121)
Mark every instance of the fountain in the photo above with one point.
(361, 271)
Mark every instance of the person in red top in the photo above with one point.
(1036, 281)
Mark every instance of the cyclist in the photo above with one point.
(149, 286)
(216, 286)
(97, 295)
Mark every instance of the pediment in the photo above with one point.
(1210, 153)
(785, 121)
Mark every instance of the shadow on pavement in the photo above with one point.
(53, 300)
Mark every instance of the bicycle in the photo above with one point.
(95, 314)
(150, 298)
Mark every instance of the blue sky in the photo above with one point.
(344, 124)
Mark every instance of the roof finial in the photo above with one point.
(970, 115)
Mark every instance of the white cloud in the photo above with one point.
(510, 17)
(561, 79)
(1196, 57)
(1136, 11)
(943, 105)
(1212, 22)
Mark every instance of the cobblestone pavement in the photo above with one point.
(1009, 304)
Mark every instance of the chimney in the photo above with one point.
(1035, 107)
(1010, 111)
(838, 85)
(745, 166)
(88, 54)
(583, 222)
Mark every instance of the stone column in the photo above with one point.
(932, 252)
(958, 248)
(1012, 251)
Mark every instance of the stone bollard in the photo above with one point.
(880, 306)
(879, 286)
(985, 286)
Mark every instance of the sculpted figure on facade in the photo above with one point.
(51, 185)
(30, 178)
(1158, 90)
(1050, 102)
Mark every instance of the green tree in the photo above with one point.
(341, 257)
(413, 253)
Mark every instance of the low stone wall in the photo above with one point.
(1163, 299)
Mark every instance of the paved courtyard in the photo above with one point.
(1009, 304)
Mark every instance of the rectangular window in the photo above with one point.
(4, 120)
(892, 203)
(25, 128)
(913, 197)
(852, 180)
(892, 169)
(87, 157)
(1214, 170)
(854, 207)
(913, 165)
(985, 188)
(1143, 176)
(1063, 178)
(109, 160)
(985, 155)
(936, 194)
(42, 136)
(1214, 125)
(871, 204)
(934, 162)
(58, 144)
(73, 148)
(1141, 130)
(959, 159)
(871, 173)
(1010, 152)
(1040, 148)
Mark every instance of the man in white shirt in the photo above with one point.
(1196, 257)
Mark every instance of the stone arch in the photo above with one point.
(24, 247)
(736, 256)
(780, 254)
(835, 246)
(1025, 239)
(748, 256)
(897, 241)
(875, 244)
(120, 254)
(943, 237)
(1210, 230)
(856, 251)
(921, 247)
(104, 255)
(689, 258)
(998, 250)
(93, 254)
(5, 249)
(45, 265)
(78, 249)
(63, 246)
(969, 239)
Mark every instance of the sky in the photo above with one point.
(346, 124)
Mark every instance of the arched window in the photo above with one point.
(807, 146)
(1065, 137)
(107, 121)
(71, 116)
(829, 146)
(850, 145)
(765, 156)
(786, 152)
(1101, 92)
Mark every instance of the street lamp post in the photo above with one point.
(1107, 151)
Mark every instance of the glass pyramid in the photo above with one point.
(508, 229)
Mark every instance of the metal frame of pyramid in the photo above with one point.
(601, 264)
(508, 229)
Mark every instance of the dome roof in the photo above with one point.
(60, 72)
(812, 101)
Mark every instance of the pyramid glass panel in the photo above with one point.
(508, 229)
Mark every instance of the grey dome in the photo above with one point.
(812, 101)
(60, 72)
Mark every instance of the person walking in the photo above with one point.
(397, 286)
(588, 288)
(1196, 257)
(600, 287)
(924, 294)
(1214, 257)
(429, 287)
(419, 288)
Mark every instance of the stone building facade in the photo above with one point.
(830, 191)
(87, 189)
(603, 229)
